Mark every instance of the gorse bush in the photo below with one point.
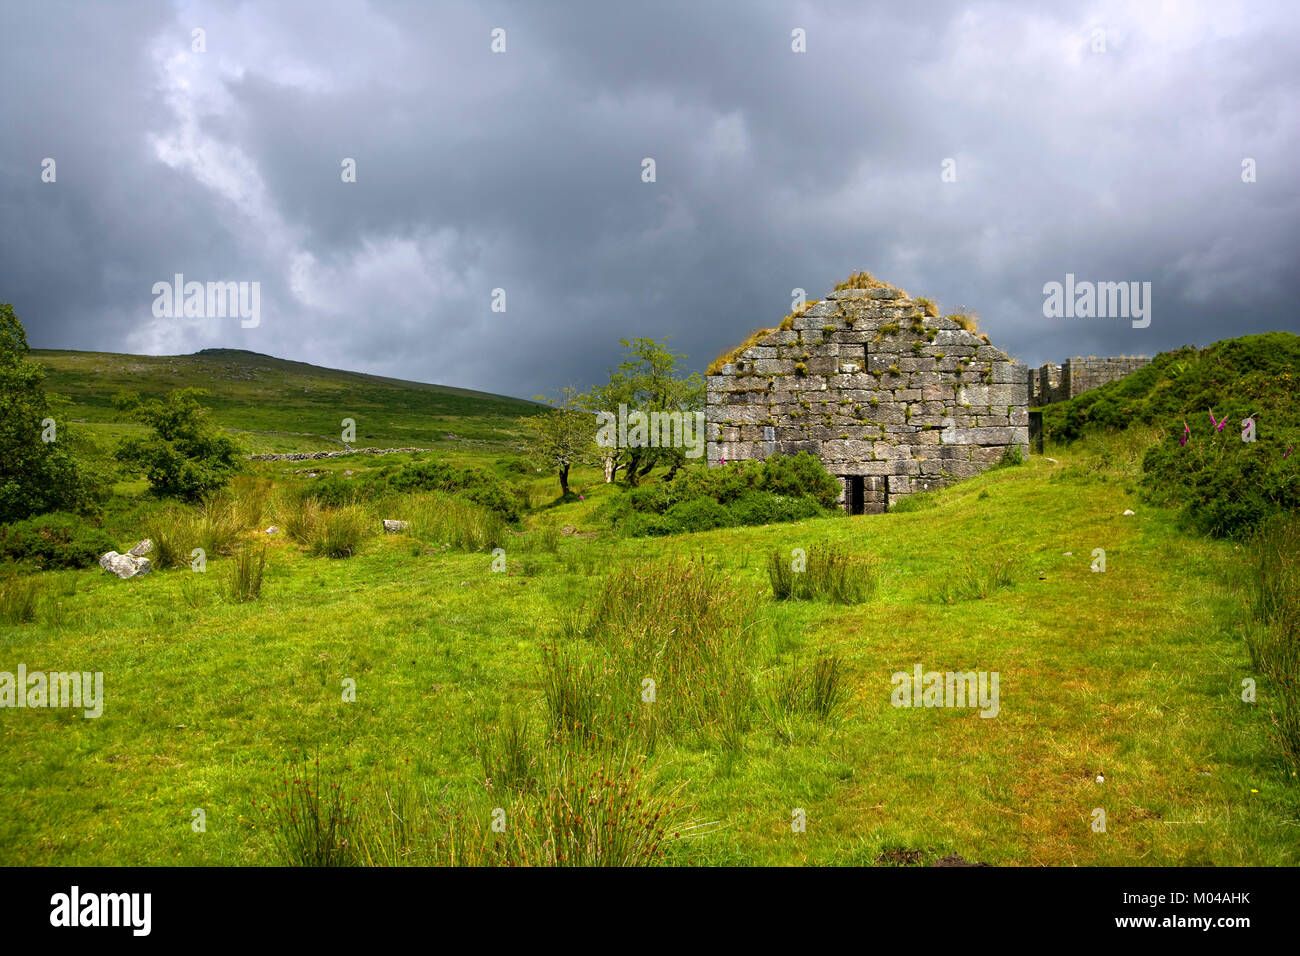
(825, 573)
(55, 540)
(1225, 487)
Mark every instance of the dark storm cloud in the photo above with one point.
(522, 171)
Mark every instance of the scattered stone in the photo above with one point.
(317, 455)
(272, 530)
(1100, 778)
(348, 473)
(568, 529)
(125, 565)
(394, 527)
(141, 549)
(1128, 511)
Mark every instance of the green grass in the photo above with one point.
(1134, 673)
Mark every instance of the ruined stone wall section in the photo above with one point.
(1092, 372)
(871, 386)
(1056, 383)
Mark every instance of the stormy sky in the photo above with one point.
(970, 152)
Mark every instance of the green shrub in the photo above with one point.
(299, 518)
(505, 752)
(779, 488)
(814, 691)
(217, 527)
(36, 476)
(55, 540)
(1223, 486)
(187, 455)
(312, 819)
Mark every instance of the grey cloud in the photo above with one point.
(776, 170)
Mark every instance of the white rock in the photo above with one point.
(1100, 778)
(1128, 511)
(125, 565)
(272, 530)
(394, 527)
(141, 549)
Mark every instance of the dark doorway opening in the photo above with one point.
(854, 494)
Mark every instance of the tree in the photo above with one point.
(187, 456)
(647, 380)
(38, 472)
(562, 436)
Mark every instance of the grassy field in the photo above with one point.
(438, 682)
(1133, 674)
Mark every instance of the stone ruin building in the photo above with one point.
(892, 398)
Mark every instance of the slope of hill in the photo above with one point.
(284, 405)
(1225, 421)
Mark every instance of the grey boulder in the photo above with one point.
(125, 565)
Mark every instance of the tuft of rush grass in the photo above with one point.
(978, 578)
(445, 520)
(507, 754)
(311, 817)
(1273, 633)
(245, 582)
(826, 573)
(579, 810)
(339, 532)
(18, 599)
(679, 626)
(176, 530)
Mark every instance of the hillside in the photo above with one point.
(282, 405)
